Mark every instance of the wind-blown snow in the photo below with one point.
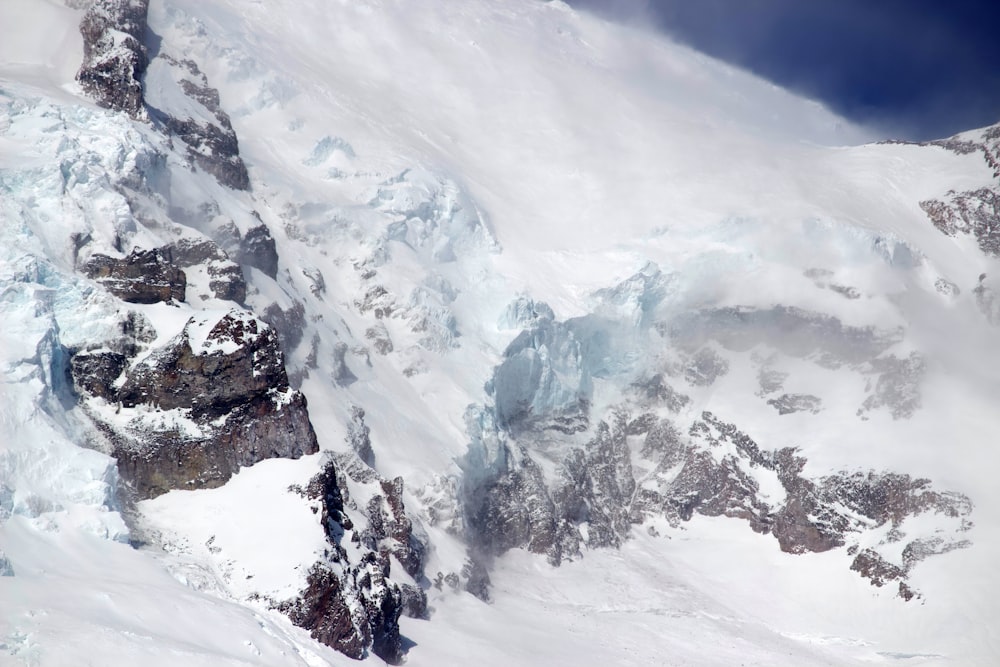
(524, 208)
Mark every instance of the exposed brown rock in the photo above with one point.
(226, 278)
(114, 57)
(144, 276)
(351, 607)
(229, 382)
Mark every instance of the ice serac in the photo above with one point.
(640, 462)
(114, 55)
(209, 401)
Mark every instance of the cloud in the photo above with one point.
(917, 68)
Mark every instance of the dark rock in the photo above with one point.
(213, 148)
(515, 510)
(210, 139)
(663, 441)
(770, 381)
(322, 609)
(359, 436)
(351, 607)
(713, 472)
(786, 404)
(378, 334)
(96, 372)
(414, 601)
(391, 531)
(144, 276)
(257, 249)
(598, 487)
(974, 212)
(114, 57)
(705, 367)
(153, 463)
(208, 377)
(808, 522)
(342, 374)
(289, 323)
(477, 579)
(378, 301)
(317, 282)
(897, 387)
(656, 390)
(226, 278)
(230, 381)
(870, 565)
(327, 488)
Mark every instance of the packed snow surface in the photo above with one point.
(439, 178)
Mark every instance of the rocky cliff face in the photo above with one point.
(116, 72)
(226, 280)
(196, 409)
(349, 602)
(206, 132)
(114, 58)
(539, 476)
(144, 276)
(972, 212)
(716, 470)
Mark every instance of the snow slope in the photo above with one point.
(435, 162)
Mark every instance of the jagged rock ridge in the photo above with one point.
(352, 607)
(972, 212)
(715, 471)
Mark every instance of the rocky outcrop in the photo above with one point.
(515, 509)
(114, 57)
(351, 606)
(210, 139)
(211, 400)
(972, 212)
(390, 530)
(257, 249)
(225, 277)
(597, 488)
(95, 372)
(705, 367)
(897, 386)
(716, 470)
(144, 276)
(114, 65)
(786, 404)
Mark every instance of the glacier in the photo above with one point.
(611, 353)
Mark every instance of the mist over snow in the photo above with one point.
(495, 332)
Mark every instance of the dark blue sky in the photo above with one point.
(918, 69)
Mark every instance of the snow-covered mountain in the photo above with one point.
(486, 332)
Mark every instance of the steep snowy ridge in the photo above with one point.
(371, 331)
